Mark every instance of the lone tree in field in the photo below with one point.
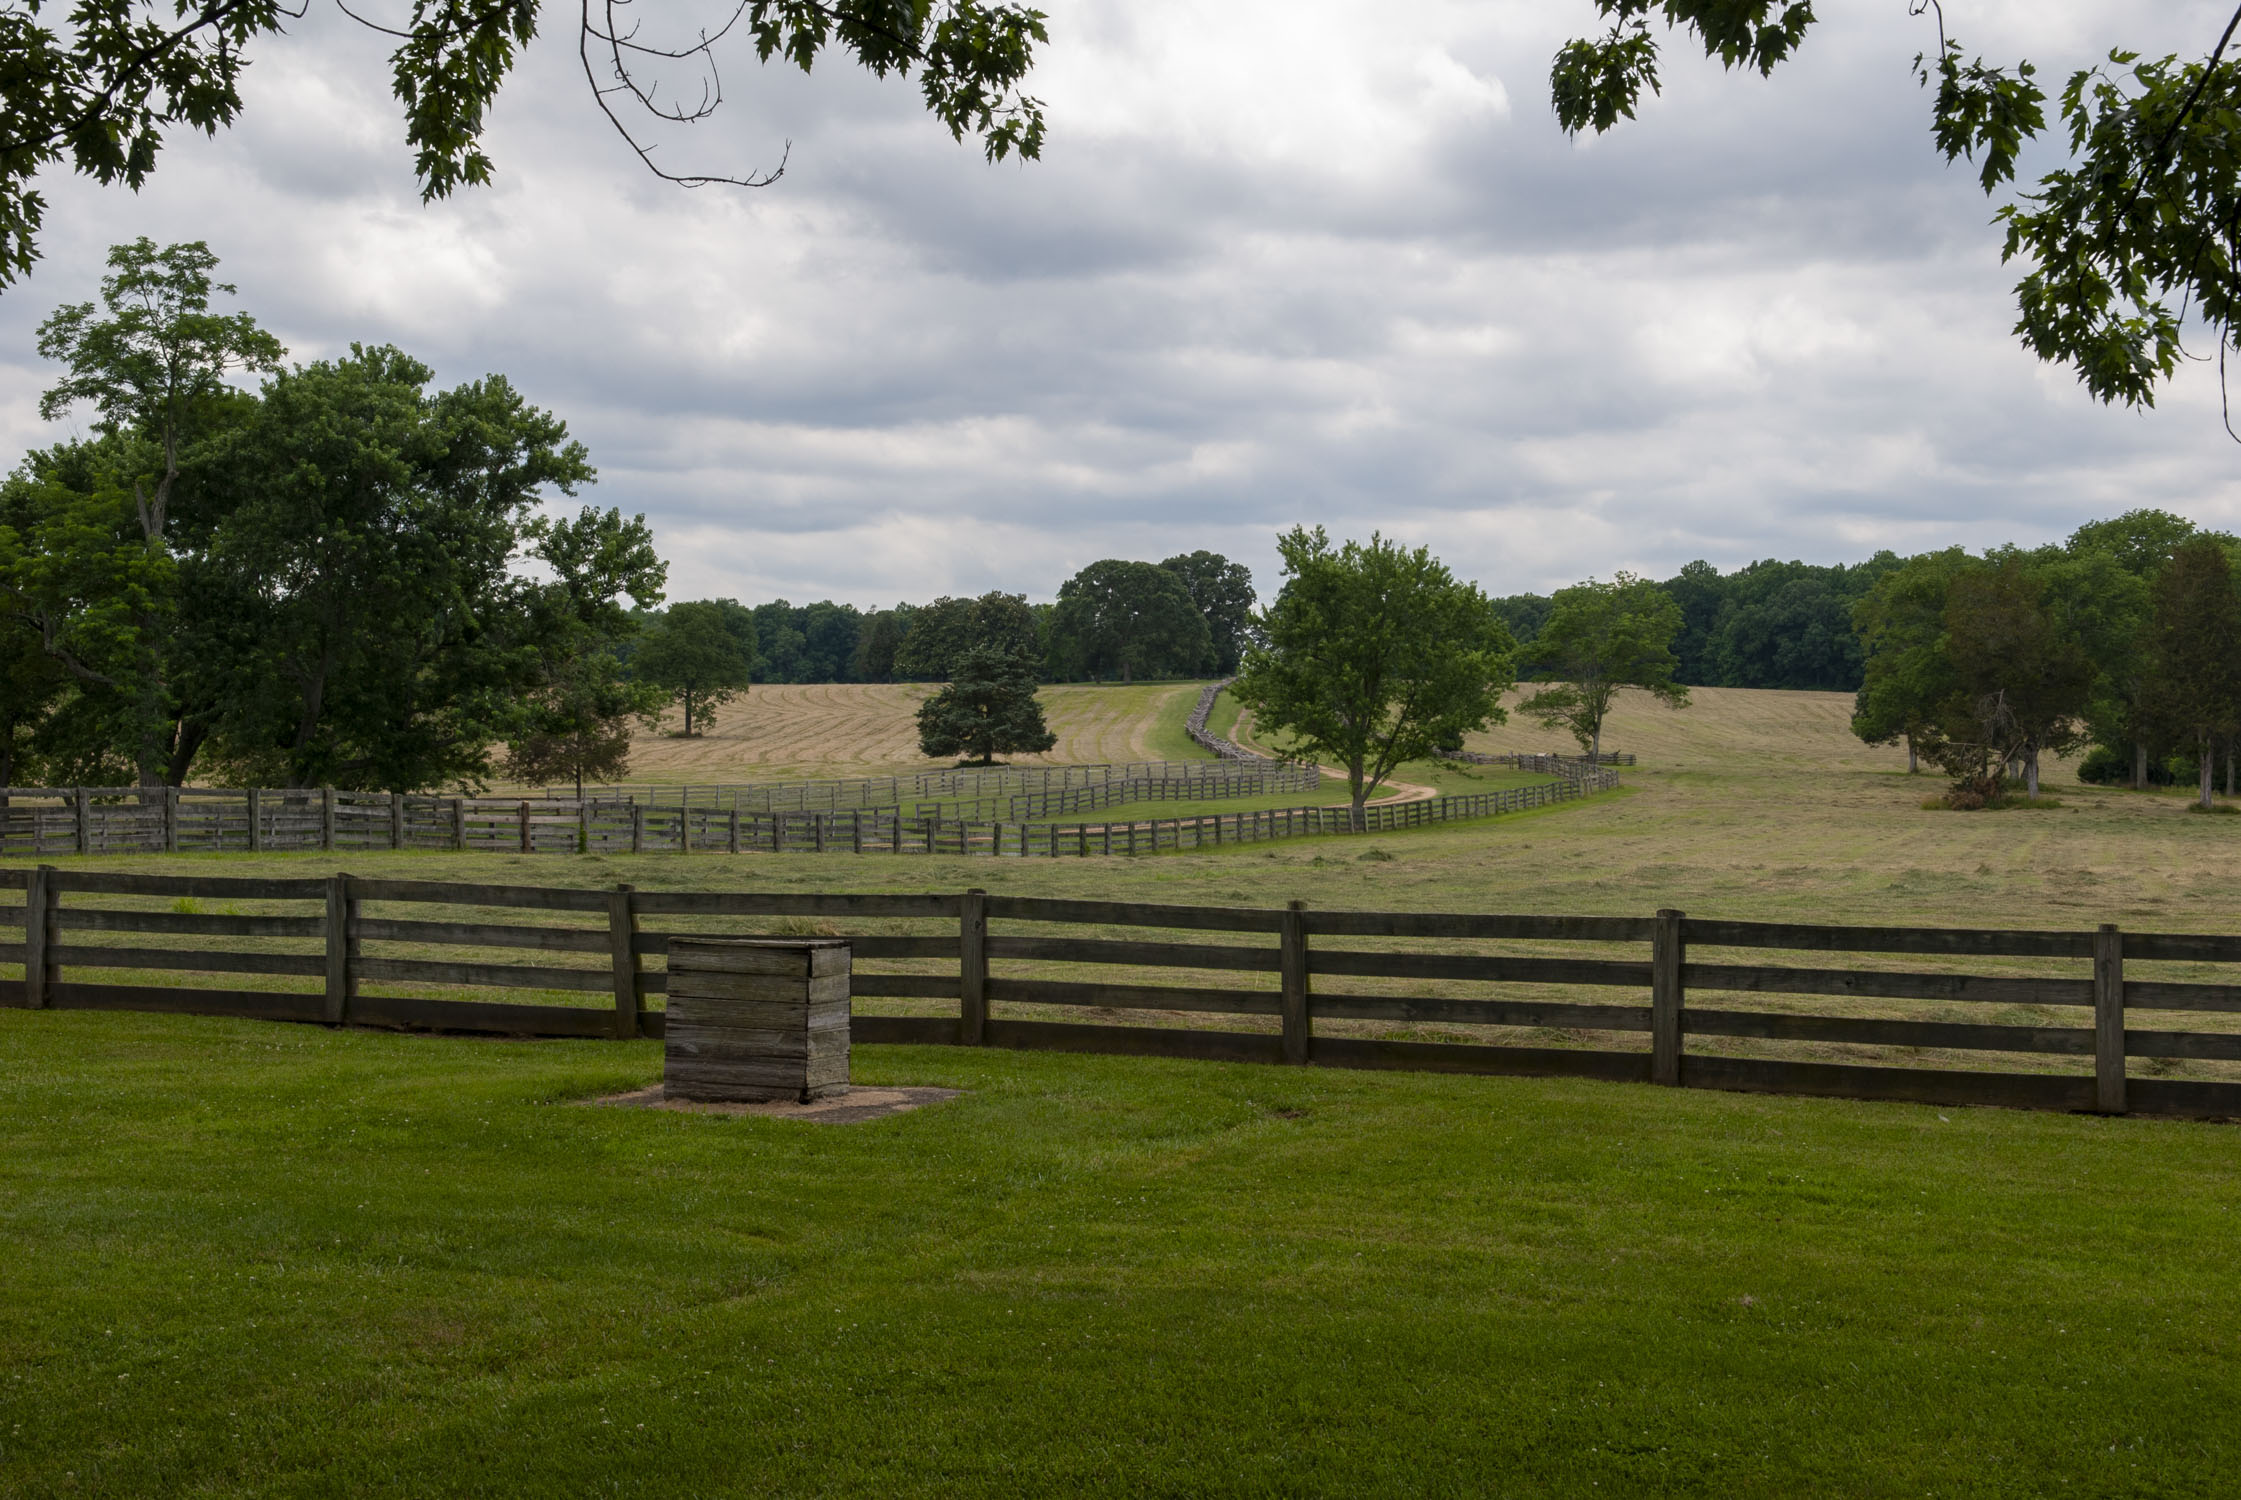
(694, 655)
(2019, 669)
(1372, 656)
(989, 708)
(1600, 638)
(1118, 618)
(2194, 651)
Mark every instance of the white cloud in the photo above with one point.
(1322, 262)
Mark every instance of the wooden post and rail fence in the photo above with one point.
(169, 821)
(342, 950)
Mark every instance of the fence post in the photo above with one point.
(327, 819)
(171, 820)
(39, 901)
(622, 935)
(81, 816)
(2108, 1020)
(523, 816)
(1665, 999)
(637, 826)
(459, 824)
(342, 947)
(397, 821)
(1292, 964)
(972, 967)
(731, 835)
(256, 820)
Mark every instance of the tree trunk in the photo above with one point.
(2229, 768)
(688, 716)
(2205, 763)
(1913, 760)
(2139, 765)
(2031, 774)
(1595, 745)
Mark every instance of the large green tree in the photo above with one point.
(100, 85)
(1223, 592)
(1907, 680)
(2194, 652)
(1373, 655)
(696, 660)
(2129, 236)
(1128, 619)
(93, 566)
(1600, 639)
(988, 708)
(2022, 660)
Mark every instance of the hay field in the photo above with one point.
(870, 729)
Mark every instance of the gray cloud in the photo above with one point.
(1281, 263)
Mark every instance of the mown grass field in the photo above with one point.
(255, 1259)
(259, 1260)
(870, 729)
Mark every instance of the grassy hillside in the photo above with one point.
(861, 729)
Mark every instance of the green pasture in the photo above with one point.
(251, 1260)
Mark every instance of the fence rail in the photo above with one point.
(170, 820)
(1551, 763)
(1307, 986)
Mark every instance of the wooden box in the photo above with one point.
(756, 1019)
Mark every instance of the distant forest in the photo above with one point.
(1766, 625)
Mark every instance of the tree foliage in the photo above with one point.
(1372, 656)
(1599, 639)
(100, 86)
(2138, 229)
(2194, 652)
(988, 708)
(696, 659)
(1128, 619)
(939, 634)
(1223, 592)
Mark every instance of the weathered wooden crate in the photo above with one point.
(756, 1019)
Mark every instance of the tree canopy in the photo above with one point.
(1127, 619)
(988, 708)
(100, 86)
(2134, 233)
(1372, 656)
(1223, 592)
(1601, 638)
(696, 657)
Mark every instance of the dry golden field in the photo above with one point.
(870, 729)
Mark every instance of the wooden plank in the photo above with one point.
(485, 935)
(186, 960)
(1292, 1003)
(1912, 1085)
(2181, 948)
(1453, 1057)
(624, 978)
(202, 887)
(902, 1030)
(745, 904)
(697, 983)
(1136, 914)
(1470, 925)
(1667, 954)
(511, 976)
(337, 997)
(896, 986)
(2160, 994)
(15, 880)
(2108, 1020)
(861, 947)
(797, 958)
(254, 1005)
(492, 1017)
(2224, 1046)
(1135, 996)
(1442, 1010)
(2074, 1041)
(1487, 967)
(1871, 984)
(460, 893)
(1144, 955)
(2200, 1099)
(1706, 934)
(187, 924)
(972, 967)
(1135, 1041)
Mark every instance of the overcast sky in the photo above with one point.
(1319, 261)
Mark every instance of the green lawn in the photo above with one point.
(249, 1259)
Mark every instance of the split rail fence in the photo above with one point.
(173, 821)
(1296, 985)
